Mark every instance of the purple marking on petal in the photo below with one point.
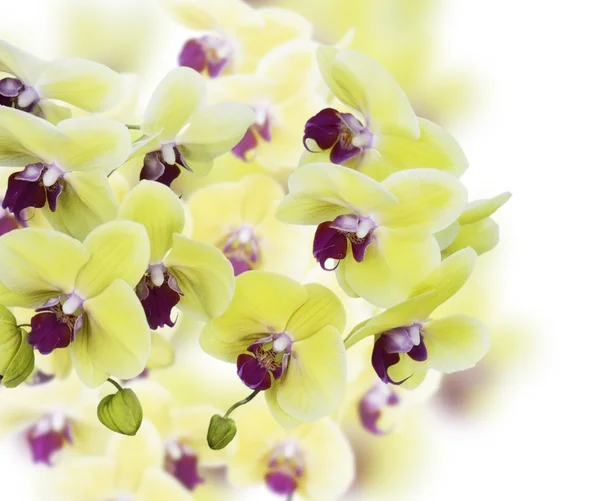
(155, 169)
(38, 378)
(381, 361)
(23, 194)
(52, 194)
(241, 248)
(158, 302)
(247, 144)
(192, 55)
(397, 340)
(49, 331)
(11, 87)
(346, 223)
(184, 467)
(419, 351)
(264, 129)
(254, 375)
(240, 265)
(8, 222)
(329, 243)
(32, 172)
(281, 483)
(359, 248)
(324, 128)
(215, 68)
(343, 151)
(46, 437)
(371, 405)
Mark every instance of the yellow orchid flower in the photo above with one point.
(388, 226)
(179, 132)
(84, 295)
(387, 136)
(66, 168)
(233, 37)
(314, 461)
(408, 343)
(55, 418)
(285, 339)
(193, 276)
(281, 95)
(131, 469)
(474, 228)
(239, 218)
(34, 84)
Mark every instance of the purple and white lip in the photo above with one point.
(159, 293)
(373, 403)
(393, 343)
(47, 436)
(16, 94)
(260, 130)
(164, 165)
(285, 469)
(55, 324)
(181, 461)
(242, 248)
(210, 53)
(342, 133)
(266, 360)
(332, 238)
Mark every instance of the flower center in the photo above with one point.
(372, 404)
(47, 436)
(259, 130)
(267, 357)
(181, 461)
(32, 187)
(158, 292)
(390, 344)
(330, 244)
(208, 52)
(286, 467)
(343, 133)
(164, 165)
(242, 249)
(56, 324)
(15, 94)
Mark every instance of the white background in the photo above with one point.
(537, 134)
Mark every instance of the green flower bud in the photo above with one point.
(16, 354)
(221, 432)
(121, 412)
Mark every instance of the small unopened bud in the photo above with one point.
(16, 354)
(221, 432)
(121, 412)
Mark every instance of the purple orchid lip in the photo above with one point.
(181, 461)
(15, 94)
(32, 187)
(372, 404)
(52, 328)
(342, 133)
(242, 249)
(159, 293)
(332, 239)
(266, 358)
(391, 344)
(9, 222)
(286, 467)
(259, 130)
(164, 165)
(50, 434)
(208, 52)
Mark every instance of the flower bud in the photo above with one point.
(221, 432)
(16, 354)
(121, 412)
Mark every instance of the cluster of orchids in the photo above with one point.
(278, 224)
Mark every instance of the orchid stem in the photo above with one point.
(241, 402)
(115, 384)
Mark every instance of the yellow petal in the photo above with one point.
(455, 343)
(82, 83)
(282, 417)
(159, 210)
(446, 236)
(83, 362)
(26, 67)
(156, 402)
(134, 455)
(158, 485)
(321, 309)
(119, 338)
(480, 209)
(209, 15)
(394, 264)
(411, 372)
(118, 250)
(482, 236)
(26, 139)
(434, 149)
(426, 197)
(86, 202)
(321, 191)
(96, 143)
(314, 382)
(54, 113)
(328, 461)
(260, 194)
(262, 303)
(83, 478)
(161, 354)
(204, 275)
(173, 103)
(211, 341)
(40, 264)
(214, 130)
